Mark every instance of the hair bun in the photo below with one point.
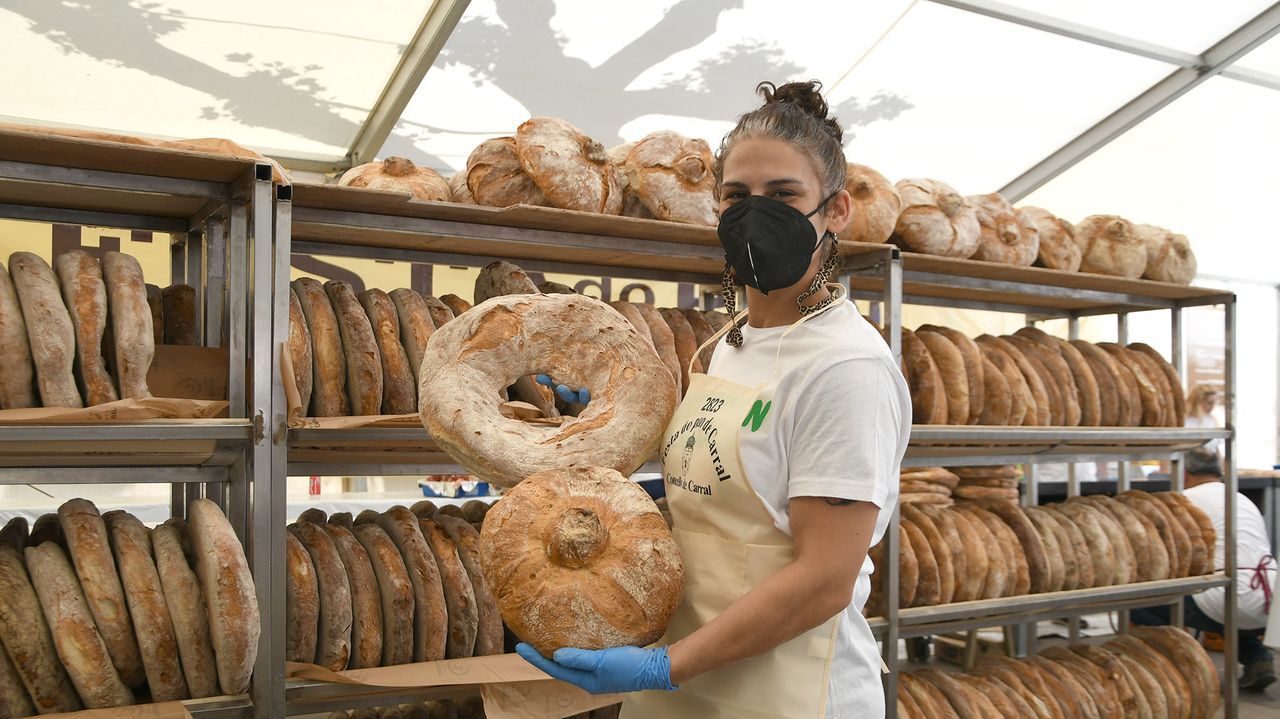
(807, 96)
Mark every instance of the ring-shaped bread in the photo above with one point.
(579, 341)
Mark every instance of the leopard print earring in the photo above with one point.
(729, 290)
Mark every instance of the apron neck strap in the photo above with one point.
(836, 289)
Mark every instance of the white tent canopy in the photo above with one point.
(1163, 111)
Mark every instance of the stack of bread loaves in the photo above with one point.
(926, 485)
(97, 611)
(1031, 378)
(1156, 672)
(992, 548)
(79, 333)
(988, 482)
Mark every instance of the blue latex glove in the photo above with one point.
(568, 396)
(606, 671)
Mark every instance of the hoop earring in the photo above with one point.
(729, 290)
(830, 265)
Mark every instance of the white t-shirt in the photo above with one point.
(844, 418)
(1252, 544)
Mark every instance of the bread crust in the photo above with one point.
(85, 294)
(399, 174)
(333, 635)
(302, 603)
(181, 326)
(495, 178)
(366, 604)
(974, 370)
(955, 378)
(394, 590)
(17, 386)
(459, 595)
(466, 538)
(399, 385)
(416, 326)
(147, 608)
(572, 170)
(430, 625)
(935, 219)
(223, 571)
(1039, 573)
(187, 609)
(360, 347)
(26, 639)
(1174, 538)
(1169, 255)
(1058, 248)
(928, 394)
(1032, 379)
(940, 548)
(876, 204)
(928, 587)
(50, 335)
(131, 330)
(1108, 246)
(300, 350)
(686, 344)
(329, 375)
(1171, 375)
(671, 174)
(664, 342)
(456, 304)
(1201, 555)
(1002, 236)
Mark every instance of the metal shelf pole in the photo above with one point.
(1231, 648)
(892, 319)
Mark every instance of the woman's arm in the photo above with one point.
(831, 540)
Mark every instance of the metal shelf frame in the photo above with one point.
(220, 213)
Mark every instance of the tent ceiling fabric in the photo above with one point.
(294, 79)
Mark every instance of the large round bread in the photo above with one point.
(1173, 683)
(1148, 391)
(1041, 705)
(876, 205)
(1126, 558)
(399, 174)
(1110, 382)
(1001, 237)
(395, 592)
(1164, 391)
(1019, 581)
(578, 340)
(130, 317)
(85, 294)
(1058, 248)
(329, 363)
(581, 557)
(495, 178)
(664, 342)
(998, 397)
(928, 393)
(1071, 373)
(935, 219)
(188, 611)
(1032, 378)
(1056, 377)
(360, 347)
(147, 608)
(430, 615)
(458, 188)
(939, 547)
(1086, 681)
(1107, 569)
(955, 379)
(1133, 701)
(1145, 681)
(366, 604)
(686, 344)
(928, 584)
(571, 169)
(977, 561)
(499, 278)
(50, 334)
(442, 314)
(1171, 375)
(1029, 540)
(14, 534)
(966, 587)
(974, 371)
(1061, 571)
(234, 621)
(999, 580)
(399, 383)
(89, 545)
(1149, 558)
(702, 332)
(80, 646)
(416, 326)
(671, 174)
(1191, 659)
(1201, 555)
(1176, 542)
(466, 538)
(300, 351)
(1202, 521)
(1088, 392)
(17, 386)
(1169, 255)
(930, 699)
(459, 596)
(1108, 246)
(333, 635)
(26, 639)
(961, 700)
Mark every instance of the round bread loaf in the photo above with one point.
(466, 538)
(360, 347)
(580, 342)
(1071, 372)
(150, 614)
(1145, 680)
(85, 294)
(928, 393)
(234, 621)
(1172, 536)
(88, 543)
(1058, 548)
(1040, 706)
(1108, 569)
(1074, 682)
(928, 582)
(430, 615)
(908, 570)
(1175, 383)
(1088, 392)
(415, 326)
(1058, 248)
(962, 699)
(581, 557)
(1001, 235)
(395, 592)
(1177, 692)
(1109, 246)
(1059, 386)
(1110, 384)
(440, 313)
(1069, 696)
(185, 600)
(940, 548)
(702, 331)
(1126, 558)
(664, 342)
(671, 174)
(459, 596)
(951, 368)
(1169, 255)
(1191, 659)
(178, 314)
(499, 278)
(935, 219)
(26, 639)
(977, 562)
(932, 702)
(495, 178)
(1037, 399)
(1201, 555)
(997, 402)
(1205, 525)
(17, 386)
(997, 580)
(1148, 556)
(300, 353)
(80, 646)
(572, 170)
(130, 317)
(366, 604)
(14, 701)
(968, 585)
(686, 344)
(333, 633)
(456, 304)
(458, 188)
(1148, 392)
(629, 311)
(1018, 580)
(474, 510)
(1039, 572)
(329, 364)
(1019, 394)
(876, 205)
(974, 369)
(1133, 701)
(399, 174)
(1164, 391)
(399, 383)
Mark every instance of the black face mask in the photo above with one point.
(768, 243)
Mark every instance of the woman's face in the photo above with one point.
(777, 170)
(1209, 401)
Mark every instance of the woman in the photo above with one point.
(790, 471)
(1201, 402)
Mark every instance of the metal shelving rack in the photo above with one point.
(220, 213)
(346, 222)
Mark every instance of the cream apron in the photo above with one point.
(730, 544)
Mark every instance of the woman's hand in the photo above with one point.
(606, 671)
(566, 395)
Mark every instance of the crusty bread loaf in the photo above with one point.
(50, 334)
(333, 635)
(85, 294)
(1171, 375)
(1028, 354)
(1029, 539)
(1002, 237)
(147, 608)
(181, 326)
(1169, 255)
(1126, 559)
(1148, 391)
(572, 170)
(876, 205)
(942, 550)
(14, 534)
(302, 603)
(300, 350)
(459, 190)
(14, 701)
(633, 316)
(187, 609)
(360, 348)
(1109, 246)
(1045, 350)
(459, 596)
(1173, 536)
(1017, 570)
(399, 383)
(702, 331)
(1113, 397)
(1055, 560)
(495, 178)
(155, 301)
(79, 645)
(671, 174)
(25, 637)
(974, 368)
(1164, 391)
(664, 342)
(90, 549)
(431, 618)
(1185, 653)
(936, 220)
(457, 305)
(686, 343)
(314, 515)
(399, 174)
(415, 326)
(131, 330)
(329, 364)
(968, 584)
(1150, 556)
(223, 571)
(1172, 683)
(424, 508)
(1107, 568)
(466, 538)
(997, 402)
(1201, 556)
(932, 701)
(1022, 405)
(366, 604)
(17, 387)
(928, 584)
(499, 278)
(955, 378)
(928, 393)
(1058, 248)
(1039, 396)
(619, 575)
(439, 311)
(395, 592)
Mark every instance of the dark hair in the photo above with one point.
(1203, 462)
(795, 113)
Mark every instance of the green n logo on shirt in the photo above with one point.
(757, 414)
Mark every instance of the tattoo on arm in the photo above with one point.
(838, 502)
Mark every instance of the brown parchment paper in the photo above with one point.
(121, 410)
